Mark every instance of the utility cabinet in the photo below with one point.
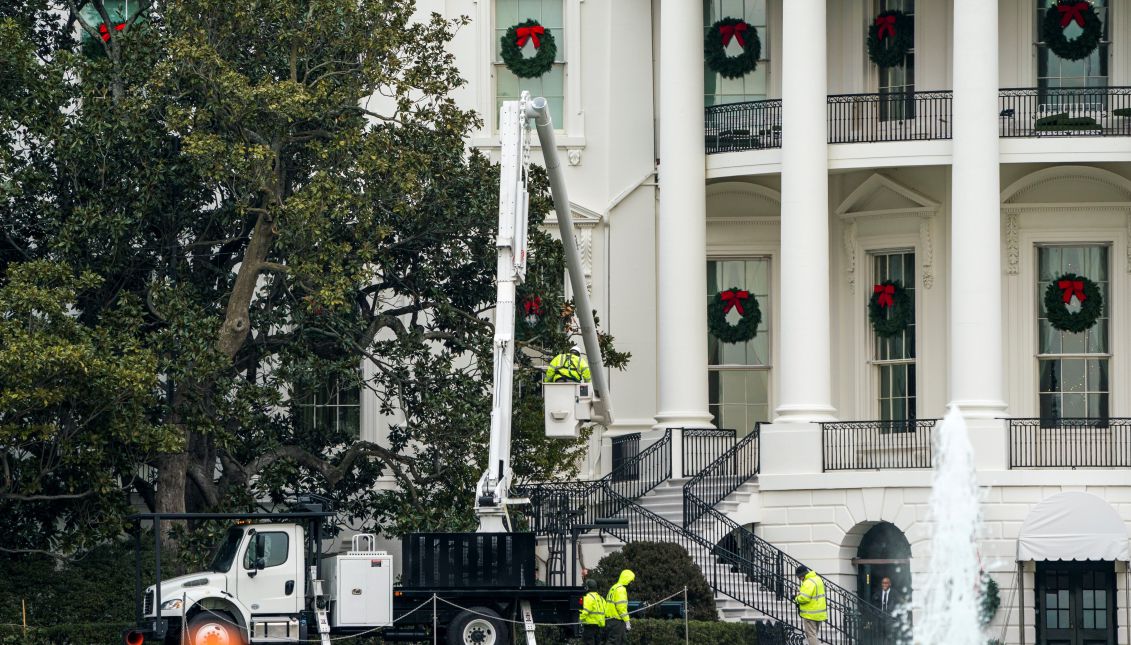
(361, 586)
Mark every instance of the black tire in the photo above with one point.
(477, 626)
(214, 628)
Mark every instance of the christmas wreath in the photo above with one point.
(720, 35)
(890, 37)
(1062, 14)
(890, 309)
(1060, 293)
(515, 39)
(747, 306)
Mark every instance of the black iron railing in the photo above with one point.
(750, 125)
(700, 447)
(890, 116)
(723, 476)
(625, 449)
(1070, 443)
(1067, 111)
(876, 445)
(754, 572)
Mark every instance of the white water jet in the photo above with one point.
(950, 602)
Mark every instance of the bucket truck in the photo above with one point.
(269, 581)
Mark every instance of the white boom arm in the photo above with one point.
(492, 493)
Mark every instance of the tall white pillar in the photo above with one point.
(806, 358)
(976, 353)
(682, 255)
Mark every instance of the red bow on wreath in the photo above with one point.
(102, 29)
(532, 306)
(1070, 12)
(887, 293)
(886, 26)
(530, 33)
(733, 31)
(733, 300)
(1072, 288)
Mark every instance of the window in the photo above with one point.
(897, 84)
(272, 546)
(894, 357)
(738, 375)
(752, 86)
(551, 85)
(1075, 603)
(1073, 368)
(334, 409)
(1055, 72)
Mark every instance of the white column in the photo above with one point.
(682, 253)
(976, 354)
(804, 370)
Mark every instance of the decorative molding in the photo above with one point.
(1074, 174)
(877, 182)
(850, 254)
(763, 204)
(759, 221)
(1012, 248)
(1127, 242)
(926, 240)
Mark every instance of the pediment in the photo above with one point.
(1068, 186)
(881, 195)
(581, 216)
(736, 200)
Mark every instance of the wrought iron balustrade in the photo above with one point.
(889, 116)
(876, 445)
(625, 448)
(701, 447)
(1065, 111)
(723, 476)
(751, 125)
(1070, 443)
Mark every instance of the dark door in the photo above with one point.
(1075, 603)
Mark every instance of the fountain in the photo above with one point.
(950, 602)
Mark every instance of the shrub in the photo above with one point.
(661, 569)
(72, 634)
(648, 631)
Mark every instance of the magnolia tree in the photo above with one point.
(232, 228)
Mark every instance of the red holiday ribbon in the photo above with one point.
(102, 29)
(733, 300)
(887, 293)
(533, 306)
(886, 26)
(1072, 11)
(1072, 288)
(733, 31)
(530, 33)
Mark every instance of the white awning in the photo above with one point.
(1073, 526)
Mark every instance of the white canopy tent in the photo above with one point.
(1073, 526)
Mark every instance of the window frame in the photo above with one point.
(764, 62)
(876, 365)
(249, 551)
(1103, 53)
(767, 323)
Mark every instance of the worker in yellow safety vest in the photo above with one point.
(810, 601)
(592, 615)
(568, 367)
(617, 620)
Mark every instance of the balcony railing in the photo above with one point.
(625, 449)
(743, 126)
(1059, 112)
(899, 116)
(876, 445)
(1070, 443)
(702, 447)
(925, 116)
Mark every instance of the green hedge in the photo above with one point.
(647, 631)
(73, 634)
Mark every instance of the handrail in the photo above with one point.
(765, 578)
(725, 474)
(701, 446)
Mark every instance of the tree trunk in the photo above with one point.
(172, 474)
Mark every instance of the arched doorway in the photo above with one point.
(884, 553)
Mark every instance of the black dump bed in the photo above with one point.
(468, 560)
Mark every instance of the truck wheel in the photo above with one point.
(214, 628)
(477, 626)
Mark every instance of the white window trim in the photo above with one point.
(570, 125)
(1021, 374)
(873, 363)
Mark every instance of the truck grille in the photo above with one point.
(147, 605)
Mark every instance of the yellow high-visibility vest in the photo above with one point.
(811, 598)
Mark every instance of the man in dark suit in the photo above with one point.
(888, 602)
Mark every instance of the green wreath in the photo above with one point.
(746, 304)
(516, 37)
(898, 29)
(719, 36)
(1061, 291)
(890, 309)
(1062, 14)
(991, 600)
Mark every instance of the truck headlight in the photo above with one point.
(171, 604)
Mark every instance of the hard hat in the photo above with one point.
(575, 349)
